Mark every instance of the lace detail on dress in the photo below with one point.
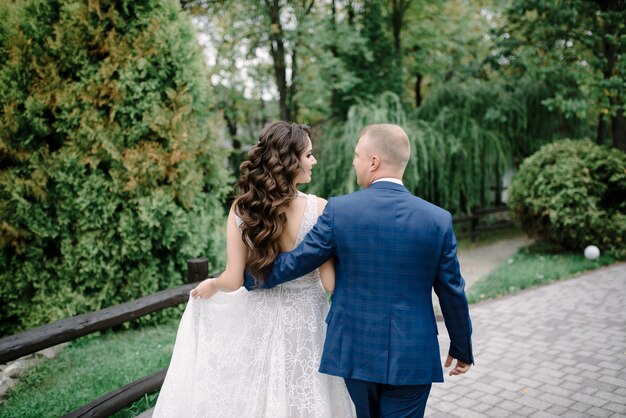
(255, 354)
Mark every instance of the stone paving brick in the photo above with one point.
(508, 385)
(545, 378)
(476, 394)
(588, 390)
(508, 395)
(598, 412)
(619, 408)
(574, 414)
(557, 410)
(552, 365)
(526, 411)
(443, 407)
(497, 412)
(590, 375)
(510, 405)
(556, 390)
(542, 414)
(579, 407)
(612, 397)
(482, 407)
(467, 413)
(601, 386)
(609, 365)
(462, 390)
(466, 403)
(588, 367)
(589, 400)
(486, 388)
(529, 383)
(534, 403)
(613, 381)
(573, 382)
(450, 398)
(556, 399)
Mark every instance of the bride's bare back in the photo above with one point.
(295, 214)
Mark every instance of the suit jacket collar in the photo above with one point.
(388, 185)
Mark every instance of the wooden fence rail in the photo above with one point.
(114, 401)
(68, 329)
(474, 219)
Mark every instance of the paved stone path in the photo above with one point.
(557, 350)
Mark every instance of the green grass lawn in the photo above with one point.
(537, 264)
(89, 368)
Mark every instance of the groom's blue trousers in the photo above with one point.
(377, 400)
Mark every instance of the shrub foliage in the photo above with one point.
(572, 193)
(109, 175)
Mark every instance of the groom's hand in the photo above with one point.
(459, 368)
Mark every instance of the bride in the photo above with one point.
(256, 354)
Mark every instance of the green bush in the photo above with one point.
(572, 193)
(110, 177)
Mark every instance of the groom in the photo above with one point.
(390, 249)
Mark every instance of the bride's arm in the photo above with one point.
(327, 270)
(327, 273)
(236, 255)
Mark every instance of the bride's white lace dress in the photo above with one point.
(255, 354)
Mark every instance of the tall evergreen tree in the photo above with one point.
(110, 177)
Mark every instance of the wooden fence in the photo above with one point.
(482, 220)
(31, 341)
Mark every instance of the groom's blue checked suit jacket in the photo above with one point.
(390, 249)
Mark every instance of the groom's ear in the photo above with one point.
(374, 162)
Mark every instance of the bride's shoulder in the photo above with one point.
(321, 204)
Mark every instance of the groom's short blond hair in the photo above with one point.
(390, 142)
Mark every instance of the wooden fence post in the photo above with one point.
(197, 269)
(474, 228)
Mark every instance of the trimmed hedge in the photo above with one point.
(110, 178)
(573, 193)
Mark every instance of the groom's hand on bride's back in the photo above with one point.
(249, 281)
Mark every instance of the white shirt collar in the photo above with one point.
(390, 179)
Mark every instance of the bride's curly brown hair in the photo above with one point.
(266, 189)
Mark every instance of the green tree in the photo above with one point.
(579, 45)
(443, 40)
(110, 177)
